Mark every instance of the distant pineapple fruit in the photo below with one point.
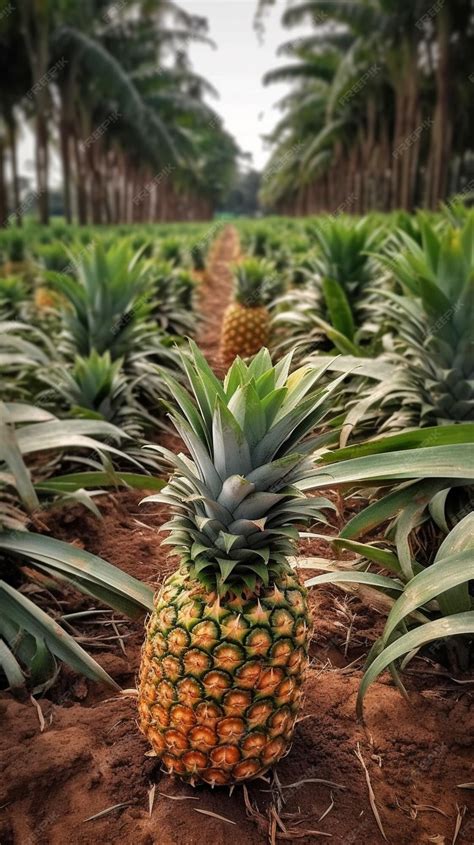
(245, 328)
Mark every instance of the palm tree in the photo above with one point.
(452, 41)
(3, 187)
(35, 21)
(391, 57)
(131, 110)
(14, 67)
(336, 130)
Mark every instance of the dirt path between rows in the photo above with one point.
(215, 294)
(90, 756)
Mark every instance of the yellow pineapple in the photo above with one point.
(45, 298)
(226, 646)
(245, 327)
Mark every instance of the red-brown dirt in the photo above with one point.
(215, 295)
(90, 755)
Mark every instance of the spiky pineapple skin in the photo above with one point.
(245, 330)
(448, 394)
(221, 679)
(44, 298)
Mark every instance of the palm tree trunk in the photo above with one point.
(398, 140)
(3, 188)
(163, 206)
(35, 29)
(124, 218)
(442, 128)
(12, 139)
(42, 166)
(94, 182)
(117, 183)
(409, 160)
(81, 196)
(367, 145)
(64, 139)
(375, 178)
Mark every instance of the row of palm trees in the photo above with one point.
(379, 114)
(110, 85)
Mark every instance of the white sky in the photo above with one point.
(235, 68)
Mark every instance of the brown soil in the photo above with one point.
(216, 293)
(90, 756)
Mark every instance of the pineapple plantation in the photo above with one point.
(236, 422)
(294, 526)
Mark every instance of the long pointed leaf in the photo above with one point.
(450, 626)
(30, 617)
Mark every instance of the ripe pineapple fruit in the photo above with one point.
(45, 298)
(246, 323)
(226, 646)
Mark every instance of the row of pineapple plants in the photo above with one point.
(88, 331)
(227, 643)
(111, 308)
(226, 647)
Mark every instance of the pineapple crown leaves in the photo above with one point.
(107, 295)
(95, 386)
(437, 275)
(345, 249)
(257, 282)
(433, 317)
(236, 501)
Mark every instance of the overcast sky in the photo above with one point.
(235, 68)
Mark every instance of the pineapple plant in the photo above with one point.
(226, 645)
(246, 323)
(346, 275)
(427, 377)
(433, 319)
(109, 309)
(32, 638)
(13, 295)
(427, 492)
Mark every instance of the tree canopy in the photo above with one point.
(111, 84)
(379, 113)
